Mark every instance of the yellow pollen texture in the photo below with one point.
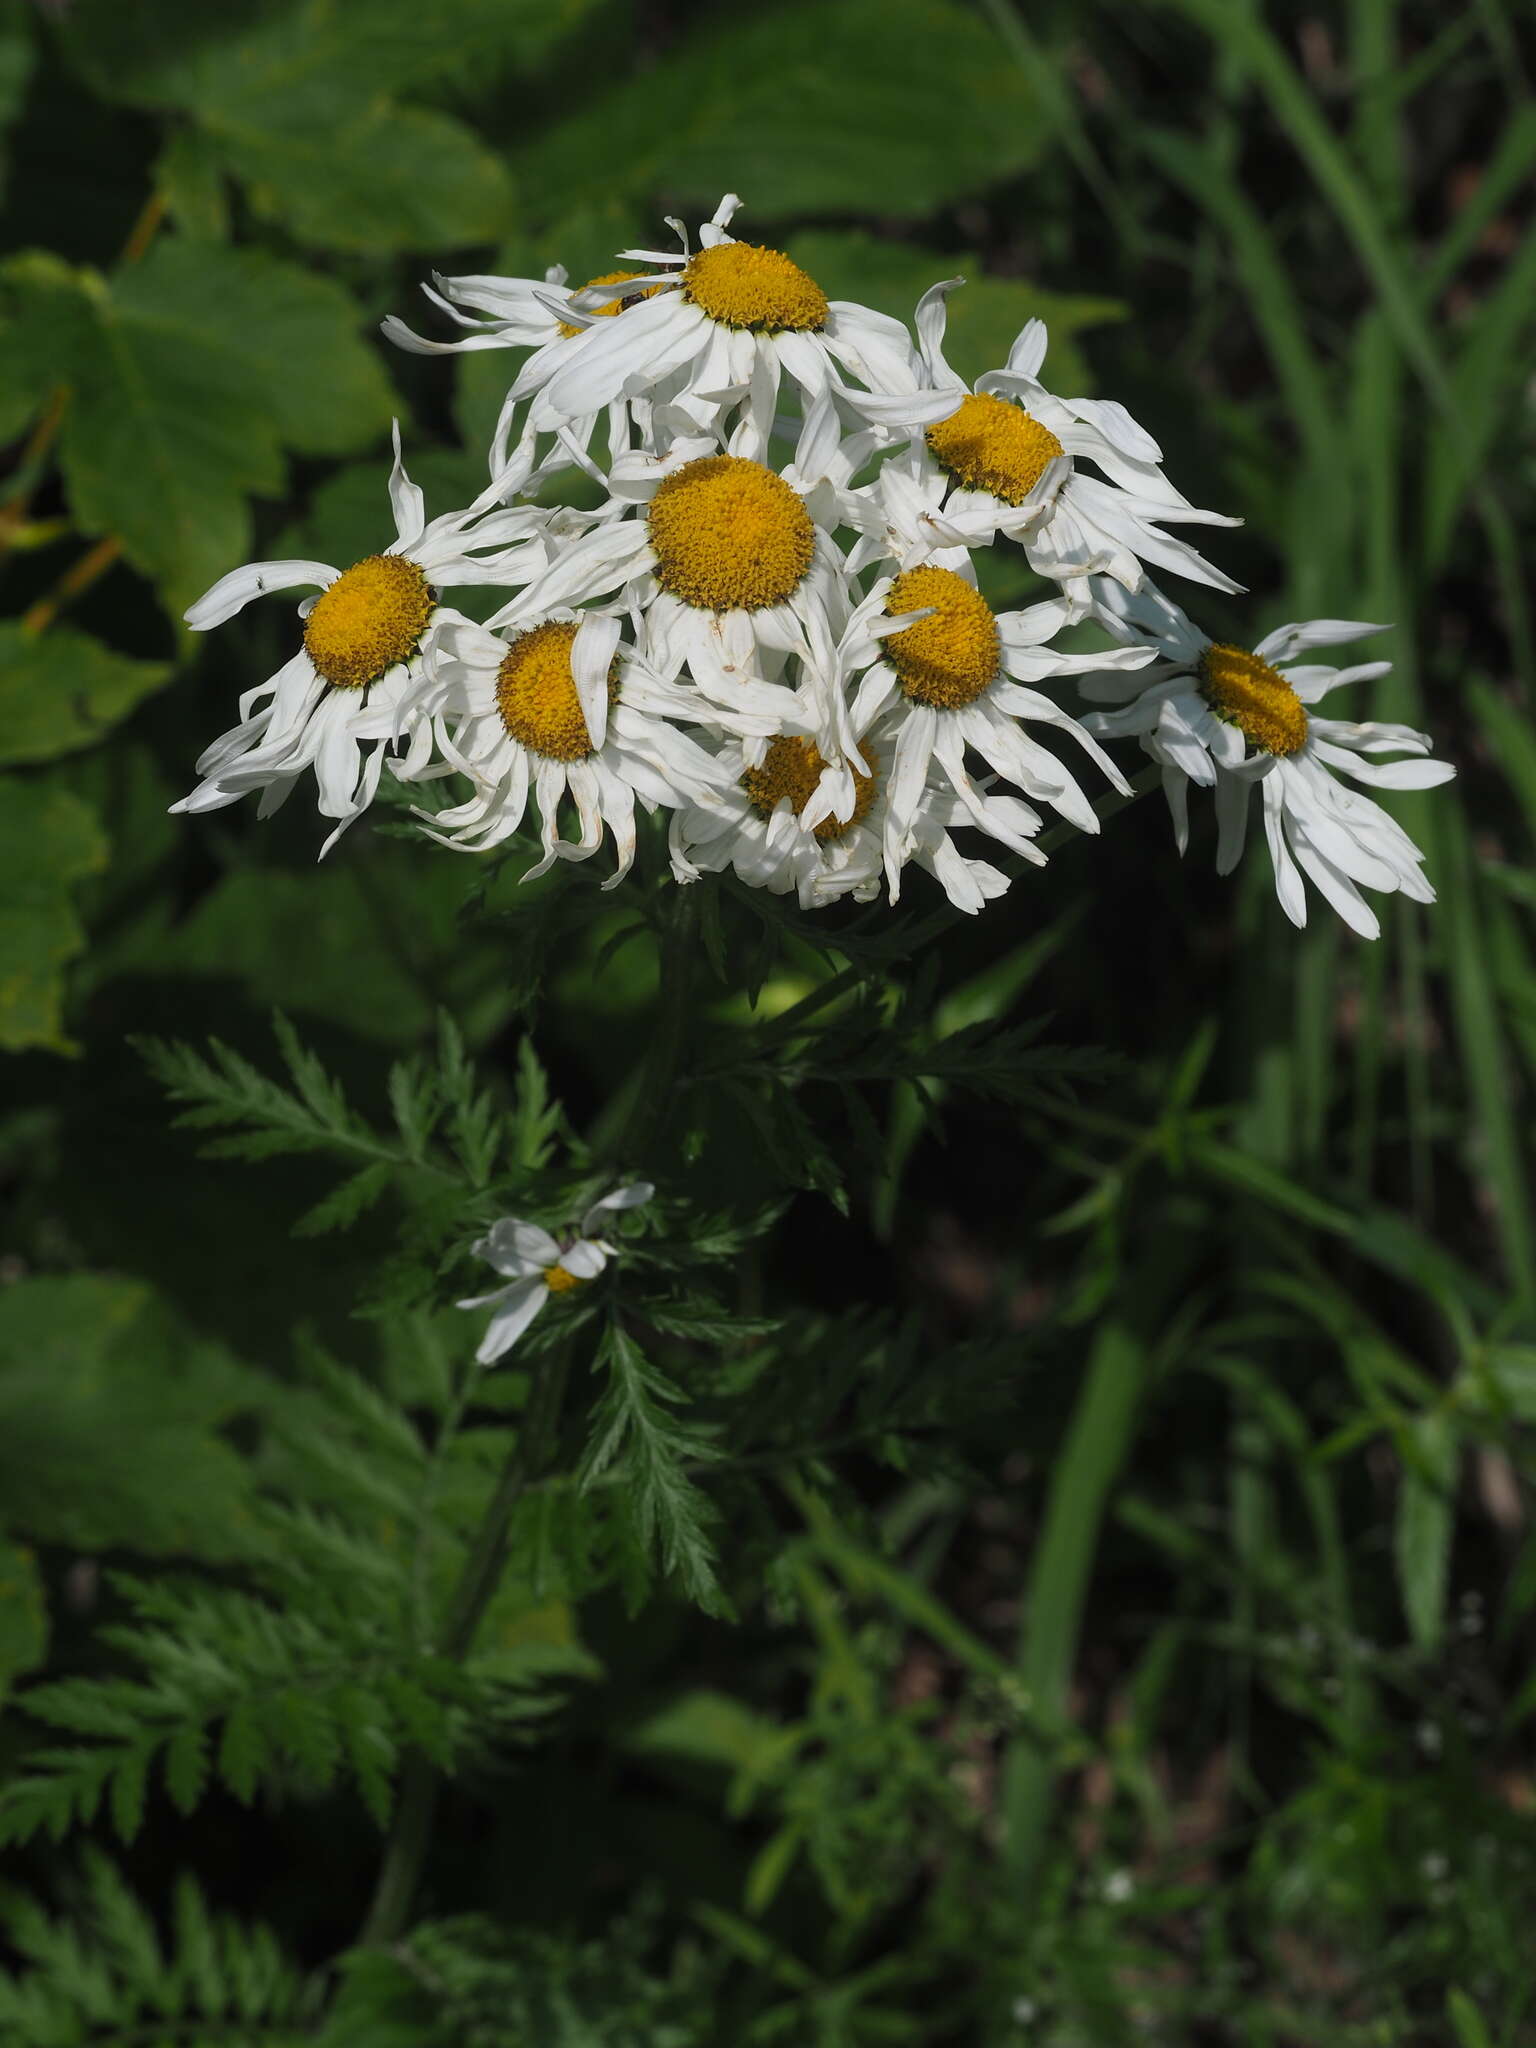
(742, 285)
(614, 305)
(372, 616)
(949, 659)
(536, 693)
(558, 1281)
(729, 535)
(792, 768)
(990, 444)
(1254, 697)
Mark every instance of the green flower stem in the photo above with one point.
(405, 1851)
(676, 950)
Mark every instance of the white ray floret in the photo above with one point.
(778, 829)
(538, 1265)
(1007, 459)
(538, 314)
(948, 676)
(729, 578)
(554, 710)
(332, 709)
(1233, 719)
(730, 323)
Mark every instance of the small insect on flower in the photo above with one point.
(538, 1265)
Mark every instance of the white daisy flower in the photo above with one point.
(731, 321)
(1006, 459)
(950, 675)
(720, 561)
(537, 314)
(332, 708)
(551, 708)
(538, 1265)
(1229, 718)
(775, 830)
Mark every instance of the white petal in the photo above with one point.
(232, 593)
(523, 1302)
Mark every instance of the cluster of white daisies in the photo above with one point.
(769, 626)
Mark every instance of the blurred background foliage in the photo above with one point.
(1134, 1626)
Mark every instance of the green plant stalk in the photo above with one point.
(1097, 1443)
(406, 1849)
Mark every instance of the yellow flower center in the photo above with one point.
(1254, 697)
(946, 660)
(990, 444)
(742, 285)
(792, 768)
(618, 305)
(536, 693)
(558, 1281)
(372, 616)
(729, 535)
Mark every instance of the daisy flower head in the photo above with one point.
(721, 561)
(1007, 459)
(730, 322)
(553, 709)
(1232, 718)
(780, 829)
(538, 1265)
(946, 676)
(332, 708)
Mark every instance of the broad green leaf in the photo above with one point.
(187, 375)
(40, 323)
(386, 178)
(319, 55)
(1426, 1516)
(985, 314)
(835, 107)
(297, 336)
(109, 1412)
(62, 689)
(48, 840)
(163, 436)
(23, 1614)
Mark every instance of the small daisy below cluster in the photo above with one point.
(766, 619)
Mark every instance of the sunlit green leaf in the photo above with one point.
(108, 1422)
(48, 840)
(63, 689)
(809, 109)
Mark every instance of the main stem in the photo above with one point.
(658, 1074)
(406, 1850)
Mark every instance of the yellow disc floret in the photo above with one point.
(371, 617)
(792, 768)
(536, 693)
(742, 285)
(558, 1281)
(1254, 697)
(990, 444)
(620, 303)
(729, 535)
(946, 660)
